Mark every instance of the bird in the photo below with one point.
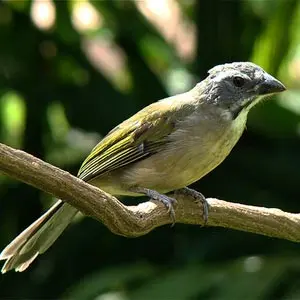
(163, 148)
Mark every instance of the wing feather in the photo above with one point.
(128, 143)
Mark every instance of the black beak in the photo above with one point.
(270, 85)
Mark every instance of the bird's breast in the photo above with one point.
(196, 147)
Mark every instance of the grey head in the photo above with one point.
(238, 86)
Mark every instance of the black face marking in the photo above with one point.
(235, 113)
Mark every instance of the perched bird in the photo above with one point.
(164, 147)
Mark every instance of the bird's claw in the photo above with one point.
(169, 203)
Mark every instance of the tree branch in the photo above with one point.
(133, 221)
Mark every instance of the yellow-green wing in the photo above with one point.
(131, 141)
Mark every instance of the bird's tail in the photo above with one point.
(38, 237)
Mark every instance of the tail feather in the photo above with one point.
(19, 241)
(38, 237)
(26, 264)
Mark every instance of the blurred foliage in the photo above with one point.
(71, 70)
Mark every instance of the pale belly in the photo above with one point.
(190, 155)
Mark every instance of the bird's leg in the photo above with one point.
(167, 201)
(198, 197)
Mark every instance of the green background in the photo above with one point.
(62, 87)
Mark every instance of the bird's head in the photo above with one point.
(236, 87)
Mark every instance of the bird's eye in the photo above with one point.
(238, 81)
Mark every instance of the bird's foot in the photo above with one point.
(199, 199)
(167, 201)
